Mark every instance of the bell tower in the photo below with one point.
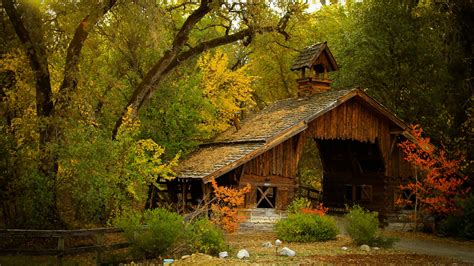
(314, 63)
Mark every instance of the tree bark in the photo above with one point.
(36, 52)
(71, 67)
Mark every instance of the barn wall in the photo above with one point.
(275, 168)
(354, 121)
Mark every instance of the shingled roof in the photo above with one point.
(262, 131)
(309, 55)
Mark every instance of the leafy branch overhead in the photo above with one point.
(248, 13)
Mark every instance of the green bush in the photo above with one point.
(302, 227)
(205, 237)
(362, 226)
(461, 225)
(162, 232)
(297, 204)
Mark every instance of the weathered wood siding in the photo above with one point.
(354, 121)
(275, 168)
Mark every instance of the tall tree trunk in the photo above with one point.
(34, 45)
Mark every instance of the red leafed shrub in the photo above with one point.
(321, 210)
(224, 210)
(437, 185)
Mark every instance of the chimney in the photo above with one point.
(314, 63)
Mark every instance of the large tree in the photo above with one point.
(73, 72)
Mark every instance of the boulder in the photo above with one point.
(287, 252)
(243, 254)
(345, 248)
(364, 248)
(278, 242)
(267, 245)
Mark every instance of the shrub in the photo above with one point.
(205, 237)
(460, 225)
(298, 204)
(362, 226)
(163, 229)
(303, 227)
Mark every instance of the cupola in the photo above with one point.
(314, 63)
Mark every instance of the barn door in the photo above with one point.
(266, 197)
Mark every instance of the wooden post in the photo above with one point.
(100, 243)
(60, 251)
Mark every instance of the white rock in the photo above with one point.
(345, 248)
(267, 245)
(185, 257)
(376, 248)
(223, 254)
(364, 248)
(242, 254)
(277, 242)
(287, 252)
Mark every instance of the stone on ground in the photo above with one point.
(243, 254)
(277, 242)
(345, 248)
(287, 252)
(267, 245)
(364, 248)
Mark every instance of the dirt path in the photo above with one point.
(427, 244)
(460, 251)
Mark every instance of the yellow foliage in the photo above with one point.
(229, 91)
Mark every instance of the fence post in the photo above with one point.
(60, 251)
(100, 243)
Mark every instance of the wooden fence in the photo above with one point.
(60, 236)
(314, 195)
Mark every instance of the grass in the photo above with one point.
(328, 252)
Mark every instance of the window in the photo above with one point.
(348, 193)
(364, 193)
(358, 193)
(266, 197)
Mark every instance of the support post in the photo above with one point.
(59, 258)
(100, 245)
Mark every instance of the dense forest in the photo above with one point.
(100, 99)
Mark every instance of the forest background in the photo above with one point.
(100, 99)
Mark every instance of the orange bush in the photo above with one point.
(321, 210)
(224, 210)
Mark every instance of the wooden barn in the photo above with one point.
(356, 137)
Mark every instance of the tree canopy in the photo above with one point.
(100, 99)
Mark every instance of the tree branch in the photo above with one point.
(159, 70)
(175, 56)
(71, 68)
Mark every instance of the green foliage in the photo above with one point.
(304, 227)
(297, 204)
(362, 225)
(158, 232)
(163, 230)
(205, 237)
(460, 225)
